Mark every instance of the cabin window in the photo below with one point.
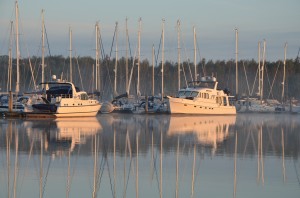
(181, 93)
(194, 94)
(188, 93)
(219, 100)
(84, 96)
(225, 101)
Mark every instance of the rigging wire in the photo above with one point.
(47, 41)
(156, 58)
(246, 78)
(182, 65)
(254, 82)
(106, 60)
(203, 66)
(80, 77)
(274, 80)
(270, 93)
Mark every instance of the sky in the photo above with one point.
(215, 21)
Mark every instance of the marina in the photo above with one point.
(149, 99)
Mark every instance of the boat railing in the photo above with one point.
(54, 98)
(232, 100)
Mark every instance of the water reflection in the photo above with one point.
(208, 130)
(62, 133)
(122, 155)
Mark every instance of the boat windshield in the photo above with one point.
(184, 94)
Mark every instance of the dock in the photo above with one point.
(28, 115)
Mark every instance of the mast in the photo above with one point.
(262, 71)
(259, 70)
(17, 48)
(43, 49)
(139, 56)
(70, 35)
(162, 59)
(236, 63)
(116, 62)
(97, 72)
(284, 65)
(41, 168)
(10, 58)
(178, 48)
(153, 70)
(195, 54)
(126, 63)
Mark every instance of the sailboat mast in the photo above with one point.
(116, 62)
(97, 56)
(139, 56)
(17, 48)
(97, 79)
(262, 71)
(195, 54)
(236, 63)
(153, 70)
(126, 63)
(10, 58)
(284, 65)
(259, 70)
(178, 48)
(71, 72)
(43, 49)
(162, 59)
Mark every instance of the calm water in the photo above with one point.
(113, 155)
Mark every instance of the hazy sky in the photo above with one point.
(277, 21)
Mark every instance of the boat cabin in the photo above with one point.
(57, 90)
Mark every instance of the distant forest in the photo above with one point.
(83, 69)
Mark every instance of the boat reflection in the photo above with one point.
(63, 133)
(208, 130)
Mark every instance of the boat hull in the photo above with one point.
(186, 106)
(19, 108)
(255, 106)
(70, 108)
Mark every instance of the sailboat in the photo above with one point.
(258, 104)
(290, 105)
(13, 102)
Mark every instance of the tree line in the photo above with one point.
(225, 71)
